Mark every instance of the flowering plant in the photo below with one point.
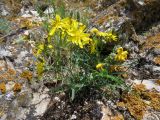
(73, 54)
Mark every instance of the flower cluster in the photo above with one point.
(121, 55)
(109, 37)
(67, 55)
(65, 32)
(100, 66)
(74, 30)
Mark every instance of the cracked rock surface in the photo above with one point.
(138, 25)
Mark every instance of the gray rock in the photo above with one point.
(3, 10)
(156, 71)
(26, 105)
(4, 53)
(9, 96)
(156, 51)
(153, 115)
(49, 10)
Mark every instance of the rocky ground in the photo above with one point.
(137, 23)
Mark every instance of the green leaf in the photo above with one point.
(78, 16)
(73, 94)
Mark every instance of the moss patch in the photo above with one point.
(139, 100)
(152, 42)
(3, 87)
(158, 82)
(157, 60)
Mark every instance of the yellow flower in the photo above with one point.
(72, 28)
(99, 66)
(97, 32)
(110, 37)
(50, 46)
(77, 35)
(66, 23)
(56, 24)
(102, 34)
(121, 55)
(94, 30)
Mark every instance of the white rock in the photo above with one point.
(9, 86)
(49, 10)
(41, 100)
(141, 3)
(4, 53)
(26, 32)
(106, 113)
(5, 12)
(9, 96)
(156, 69)
(57, 99)
(73, 117)
(26, 15)
(150, 84)
(21, 56)
(34, 13)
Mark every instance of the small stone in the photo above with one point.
(10, 85)
(125, 75)
(57, 99)
(157, 60)
(147, 102)
(49, 10)
(73, 117)
(156, 70)
(99, 102)
(106, 112)
(4, 53)
(9, 96)
(156, 51)
(23, 99)
(141, 3)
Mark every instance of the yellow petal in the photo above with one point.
(102, 34)
(119, 50)
(99, 66)
(52, 31)
(58, 18)
(50, 46)
(94, 30)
